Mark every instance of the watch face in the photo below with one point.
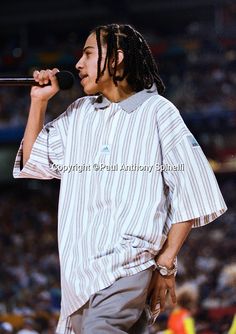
(163, 271)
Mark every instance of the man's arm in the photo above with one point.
(176, 237)
(39, 101)
(160, 285)
(34, 126)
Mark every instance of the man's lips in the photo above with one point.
(82, 76)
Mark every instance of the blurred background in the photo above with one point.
(194, 44)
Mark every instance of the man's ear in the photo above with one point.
(119, 59)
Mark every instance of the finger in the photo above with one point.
(35, 75)
(154, 303)
(46, 76)
(55, 71)
(41, 77)
(173, 295)
(155, 299)
(162, 299)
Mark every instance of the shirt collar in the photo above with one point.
(130, 103)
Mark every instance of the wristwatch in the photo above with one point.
(164, 271)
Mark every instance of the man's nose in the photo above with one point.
(79, 64)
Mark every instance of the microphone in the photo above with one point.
(65, 81)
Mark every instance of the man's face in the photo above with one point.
(87, 67)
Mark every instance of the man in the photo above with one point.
(133, 183)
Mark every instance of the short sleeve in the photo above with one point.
(47, 152)
(193, 191)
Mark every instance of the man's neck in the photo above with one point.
(118, 93)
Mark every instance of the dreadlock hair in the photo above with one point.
(140, 68)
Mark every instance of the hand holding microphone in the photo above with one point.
(49, 81)
(46, 85)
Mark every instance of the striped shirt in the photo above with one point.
(128, 171)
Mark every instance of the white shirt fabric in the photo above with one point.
(114, 216)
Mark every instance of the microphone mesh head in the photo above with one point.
(65, 79)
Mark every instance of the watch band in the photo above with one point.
(164, 271)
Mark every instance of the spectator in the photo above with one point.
(181, 319)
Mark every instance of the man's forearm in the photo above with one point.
(34, 126)
(39, 101)
(176, 237)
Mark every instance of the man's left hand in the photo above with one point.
(158, 289)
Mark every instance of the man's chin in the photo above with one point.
(90, 91)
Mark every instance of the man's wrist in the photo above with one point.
(39, 104)
(165, 259)
(167, 270)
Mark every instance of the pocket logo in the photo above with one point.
(192, 141)
(105, 149)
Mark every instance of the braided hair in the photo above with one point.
(140, 68)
